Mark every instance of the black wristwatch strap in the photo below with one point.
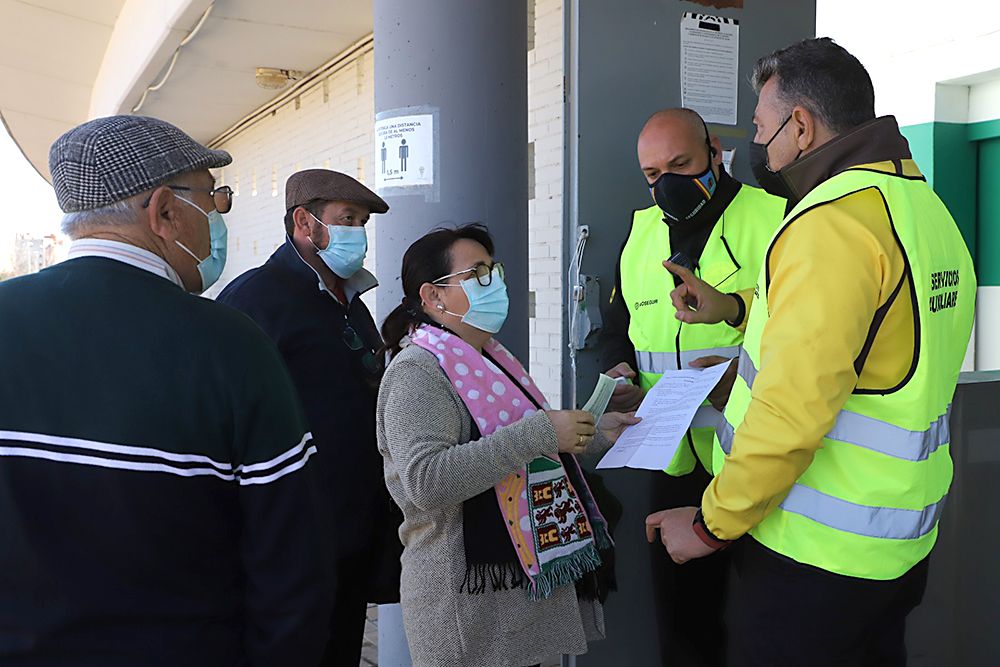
(741, 313)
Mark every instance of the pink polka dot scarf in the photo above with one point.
(547, 508)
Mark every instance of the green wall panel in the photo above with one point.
(947, 158)
(988, 264)
(921, 139)
(955, 177)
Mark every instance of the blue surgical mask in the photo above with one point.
(345, 253)
(487, 305)
(212, 266)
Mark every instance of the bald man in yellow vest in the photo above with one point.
(719, 227)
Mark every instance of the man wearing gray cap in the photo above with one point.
(157, 502)
(306, 297)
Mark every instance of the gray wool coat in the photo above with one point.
(431, 468)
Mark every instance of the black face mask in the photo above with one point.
(681, 197)
(771, 181)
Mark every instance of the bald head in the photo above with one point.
(673, 140)
(676, 119)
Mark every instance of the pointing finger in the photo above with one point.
(679, 271)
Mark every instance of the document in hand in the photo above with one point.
(666, 414)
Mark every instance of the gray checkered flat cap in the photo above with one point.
(110, 159)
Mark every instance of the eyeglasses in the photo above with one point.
(483, 274)
(353, 341)
(222, 196)
(351, 338)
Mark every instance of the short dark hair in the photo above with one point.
(426, 260)
(316, 207)
(823, 77)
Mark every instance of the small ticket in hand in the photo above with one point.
(599, 400)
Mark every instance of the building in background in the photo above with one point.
(34, 253)
(312, 106)
(289, 86)
(937, 70)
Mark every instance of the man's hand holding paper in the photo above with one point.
(627, 396)
(719, 396)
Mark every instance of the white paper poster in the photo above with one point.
(727, 160)
(710, 54)
(404, 151)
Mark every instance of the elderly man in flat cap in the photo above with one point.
(306, 297)
(157, 498)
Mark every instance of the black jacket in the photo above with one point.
(338, 387)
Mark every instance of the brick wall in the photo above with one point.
(545, 131)
(331, 126)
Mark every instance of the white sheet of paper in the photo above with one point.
(710, 54)
(666, 411)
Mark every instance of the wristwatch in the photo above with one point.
(705, 535)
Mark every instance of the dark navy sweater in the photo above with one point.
(157, 498)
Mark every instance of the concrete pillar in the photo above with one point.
(392, 648)
(465, 61)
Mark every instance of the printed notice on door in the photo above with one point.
(710, 54)
(404, 151)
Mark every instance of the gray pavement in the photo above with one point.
(369, 650)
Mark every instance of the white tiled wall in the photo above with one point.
(331, 127)
(545, 129)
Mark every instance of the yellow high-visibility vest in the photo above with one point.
(731, 261)
(868, 504)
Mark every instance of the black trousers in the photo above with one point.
(350, 606)
(690, 598)
(785, 614)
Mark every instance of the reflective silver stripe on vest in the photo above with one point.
(661, 362)
(724, 432)
(882, 522)
(707, 417)
(889, 439)
(863, 431)
(745, 368)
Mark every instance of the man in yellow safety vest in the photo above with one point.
(832, 464)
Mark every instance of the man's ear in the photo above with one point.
(163, 214)
(716, 150)
(302, 220)
(804, 127)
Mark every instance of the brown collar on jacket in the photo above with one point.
(877, 140)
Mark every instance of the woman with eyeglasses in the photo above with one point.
(502, 537)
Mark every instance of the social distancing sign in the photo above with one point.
(404, 151)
